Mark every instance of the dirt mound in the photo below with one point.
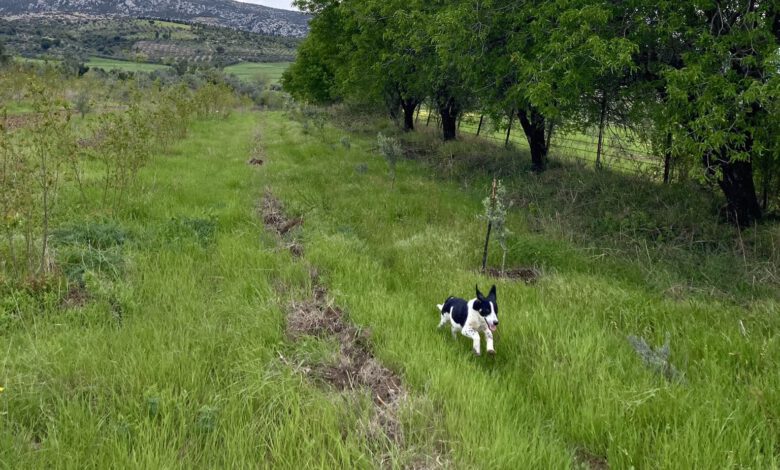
(275, 219)
(355, 366)
(76, 296)
(589, 460)
(527, 275)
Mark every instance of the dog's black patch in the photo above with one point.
(483, 304)
(458, 309)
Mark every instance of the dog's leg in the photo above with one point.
(469, 333)
(455, 330)
(489, 341)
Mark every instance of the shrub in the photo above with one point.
(391, 150)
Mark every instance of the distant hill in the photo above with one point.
(57, 35)
(226, 13)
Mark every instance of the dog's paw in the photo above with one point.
(492, 352)
(476, 353)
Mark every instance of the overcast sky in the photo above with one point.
(285, 4)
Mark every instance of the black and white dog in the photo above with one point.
(472, 317)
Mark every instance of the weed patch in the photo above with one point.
(202, 230)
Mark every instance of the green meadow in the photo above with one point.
(182, 361)
(123, 65)
(252, 71)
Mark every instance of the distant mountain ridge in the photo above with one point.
(227, 13)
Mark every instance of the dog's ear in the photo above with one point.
(492, 293)
(479, 294)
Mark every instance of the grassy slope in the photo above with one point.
(565, 376)
(271, 71)
(127, 66)
(190, 376)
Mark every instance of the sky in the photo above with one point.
(284, 4)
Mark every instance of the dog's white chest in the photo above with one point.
(475, 322)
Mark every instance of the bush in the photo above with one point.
(390, 148)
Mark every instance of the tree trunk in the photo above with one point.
(509, 128)
(409, 105)
(533, 127)
(449, 121)
(738, 187)
(550, 129)
(668, 158)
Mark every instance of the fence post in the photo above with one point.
(479, 128)
(509, 128)
(427, 121)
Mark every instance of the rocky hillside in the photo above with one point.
(227, 13)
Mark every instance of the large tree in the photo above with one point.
(721, 90)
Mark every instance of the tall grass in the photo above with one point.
(565, 377)
(174, 360)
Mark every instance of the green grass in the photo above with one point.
(174, 363)
(126, 66)
(250, 71)
(565, 376)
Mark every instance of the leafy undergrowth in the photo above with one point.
(566, 387)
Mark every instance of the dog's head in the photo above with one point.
(488, 307)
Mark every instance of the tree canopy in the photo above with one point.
(699, 79)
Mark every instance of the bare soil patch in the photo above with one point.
(587, 459)
(276, 220)
(355, 366)
(76, 296)
(527, 275)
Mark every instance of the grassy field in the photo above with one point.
(270, 72)
(183, 361)
(565, 382)
(126, 66)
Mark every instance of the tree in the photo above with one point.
(313, 75)
(721, 92)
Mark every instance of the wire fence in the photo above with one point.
(619, 150)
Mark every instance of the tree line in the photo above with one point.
(697, 79)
